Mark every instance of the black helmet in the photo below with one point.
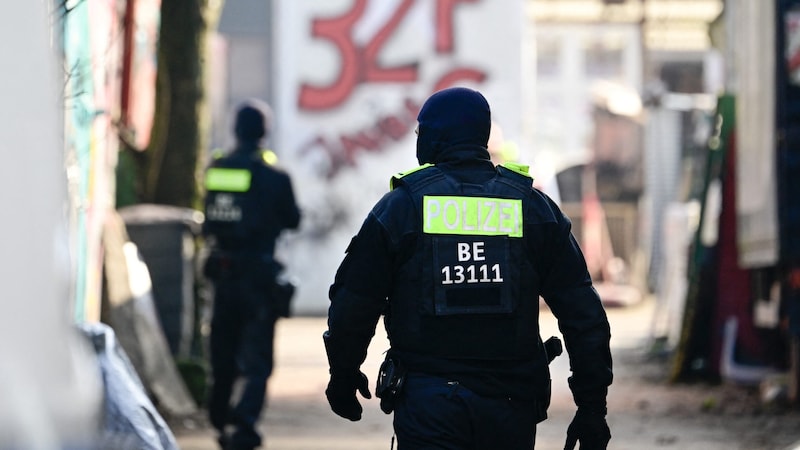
(253, 121)
(452, 116)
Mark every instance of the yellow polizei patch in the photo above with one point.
(228, 180)
(477, 216)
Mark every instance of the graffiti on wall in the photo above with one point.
(361, 63)
(352, 77)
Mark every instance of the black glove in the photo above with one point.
(341, 393)
(590, 429)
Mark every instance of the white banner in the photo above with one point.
(756, 185)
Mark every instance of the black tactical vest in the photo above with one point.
(232, 211)
(469, 291)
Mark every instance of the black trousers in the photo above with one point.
(242, 336)
(437, 413)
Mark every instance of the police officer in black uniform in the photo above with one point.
(456, 257)
(249, 202)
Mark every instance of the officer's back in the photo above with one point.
(248, 203)
(456, 258)
(249, 200)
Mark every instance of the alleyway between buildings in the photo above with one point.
(645, 411)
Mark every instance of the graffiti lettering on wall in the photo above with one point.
(342, 150)
(360, 65)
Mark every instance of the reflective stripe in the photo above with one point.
(399, 175)
(269, 157)
(475, 216)
(228, 180)
(521, 169)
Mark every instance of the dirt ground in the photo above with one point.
(645, 412)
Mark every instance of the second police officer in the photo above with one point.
(249, 202)
(456, 257)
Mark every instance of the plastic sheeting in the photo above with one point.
(130, 420)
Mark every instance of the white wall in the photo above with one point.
(48, 386)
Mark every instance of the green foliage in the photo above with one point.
(195, 374)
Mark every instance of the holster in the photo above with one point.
(552, 348)
(282, 295)
(391, 376)
(280, 289)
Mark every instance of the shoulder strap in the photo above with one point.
(522, 169)
(411, 176)
(269, 157)
(515, 175)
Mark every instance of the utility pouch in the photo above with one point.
(390, 383)
(280, 288)
(282, 295)
(552, 348)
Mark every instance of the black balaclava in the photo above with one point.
(450, 117)
(252, 122)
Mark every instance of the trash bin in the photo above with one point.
(165, 236)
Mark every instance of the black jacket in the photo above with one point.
(363, 283)
(270, 202)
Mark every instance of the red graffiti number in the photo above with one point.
(360, 64)
(444, 24)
